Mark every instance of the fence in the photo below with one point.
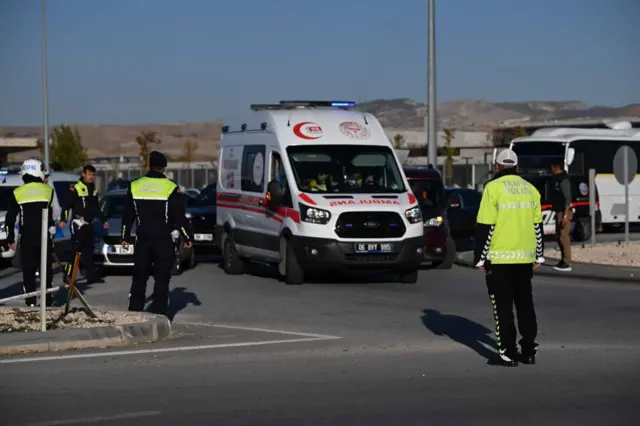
(188, 178)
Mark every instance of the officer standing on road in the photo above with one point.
(82, 207)
(157, 204)
(28, 201)
(561, 204)
(508, 248)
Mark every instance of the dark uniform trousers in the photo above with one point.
(509, 285)
(152, 256)
(83, 243)
(30, 259)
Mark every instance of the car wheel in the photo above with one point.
(232, 264)
(294, 274)
(450, 257)
(582, 229)
(192, 259)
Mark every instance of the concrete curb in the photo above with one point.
(579, 270)
(157, 327)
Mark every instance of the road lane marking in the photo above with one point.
(263, 330)
(80, 420)
(167, 350)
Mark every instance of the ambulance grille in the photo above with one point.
(370, 225)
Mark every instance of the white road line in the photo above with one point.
(164, 350)
(263, 330)
(94, 419)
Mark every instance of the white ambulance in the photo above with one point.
(314, 186)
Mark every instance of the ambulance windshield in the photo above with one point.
(345, 169)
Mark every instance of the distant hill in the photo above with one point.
(112, 140)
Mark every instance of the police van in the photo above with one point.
(10, 179)
(315, 186)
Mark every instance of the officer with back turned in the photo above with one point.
(28, 201)
(508, 247)
(82, 207)
(157, 204)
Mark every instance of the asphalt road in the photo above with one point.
(250, 350)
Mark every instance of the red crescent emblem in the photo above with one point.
(297, 130)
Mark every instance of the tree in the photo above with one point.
(145, 140)
(519, 132)
(398, 141)
(449, 136)
(188, 149)
(66, 150)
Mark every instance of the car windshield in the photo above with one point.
(429, 192)
(206, 198)
(536, 157)
(5, 195)
(345, 169)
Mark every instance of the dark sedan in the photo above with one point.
(202, 212)
(462, 211)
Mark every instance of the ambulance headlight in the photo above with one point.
(434, 221)
(413, 215)
(314, 215)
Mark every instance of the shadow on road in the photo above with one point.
(461, 330)
(179, 299)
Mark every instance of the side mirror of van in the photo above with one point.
(274, 194)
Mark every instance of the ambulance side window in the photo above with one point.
(276, 172)
(253, 168)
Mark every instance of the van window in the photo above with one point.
(6, 192)
(345, 169)
(429, 192)
(252, 178)
(61, 188)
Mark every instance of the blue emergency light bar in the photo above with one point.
(283, 105)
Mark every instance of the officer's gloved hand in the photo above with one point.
(175, 235)
(52, 230)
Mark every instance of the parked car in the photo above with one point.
(427, 186)
(108, 251)
(462, 210)
(202, 213)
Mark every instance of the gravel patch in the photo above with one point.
(28, 319)
(604, 254)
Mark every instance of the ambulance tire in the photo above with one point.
(409, 277)
(582, 229)
(232, 263)
(294, 274)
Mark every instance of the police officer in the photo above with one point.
(561, 204)
(157, 204)
(28, 201)
(508, 247)
(82, 207)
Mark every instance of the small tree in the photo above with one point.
(188, 150)
(398, 141)
(519, 132)
(449, 136)
(145, 140)
(66, 150)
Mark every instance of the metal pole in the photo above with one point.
(45, 100)
(625, 153)
(430, 122)
(44, 241)
(592, 203)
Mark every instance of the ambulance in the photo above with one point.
(315, 186)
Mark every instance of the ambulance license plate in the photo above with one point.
(373, 247)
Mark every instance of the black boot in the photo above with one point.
(504, 361)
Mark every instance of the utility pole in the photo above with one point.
(45, 100)
(430, 120)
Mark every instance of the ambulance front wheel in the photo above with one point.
(232, 263)
(290, 268)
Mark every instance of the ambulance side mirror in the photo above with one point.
(274, 194)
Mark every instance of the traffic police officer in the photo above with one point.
(82, 207)
(28, 201)
(508, 247)
(157, 204)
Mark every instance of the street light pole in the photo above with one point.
(430, 120)
(45, 100)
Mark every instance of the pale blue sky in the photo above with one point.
(142, 61)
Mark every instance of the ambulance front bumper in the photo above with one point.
(328, 254)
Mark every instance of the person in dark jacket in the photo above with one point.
(82, 207)
(156, 204)
(28, 201)
(561, 204)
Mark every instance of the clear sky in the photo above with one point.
(143, 61)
